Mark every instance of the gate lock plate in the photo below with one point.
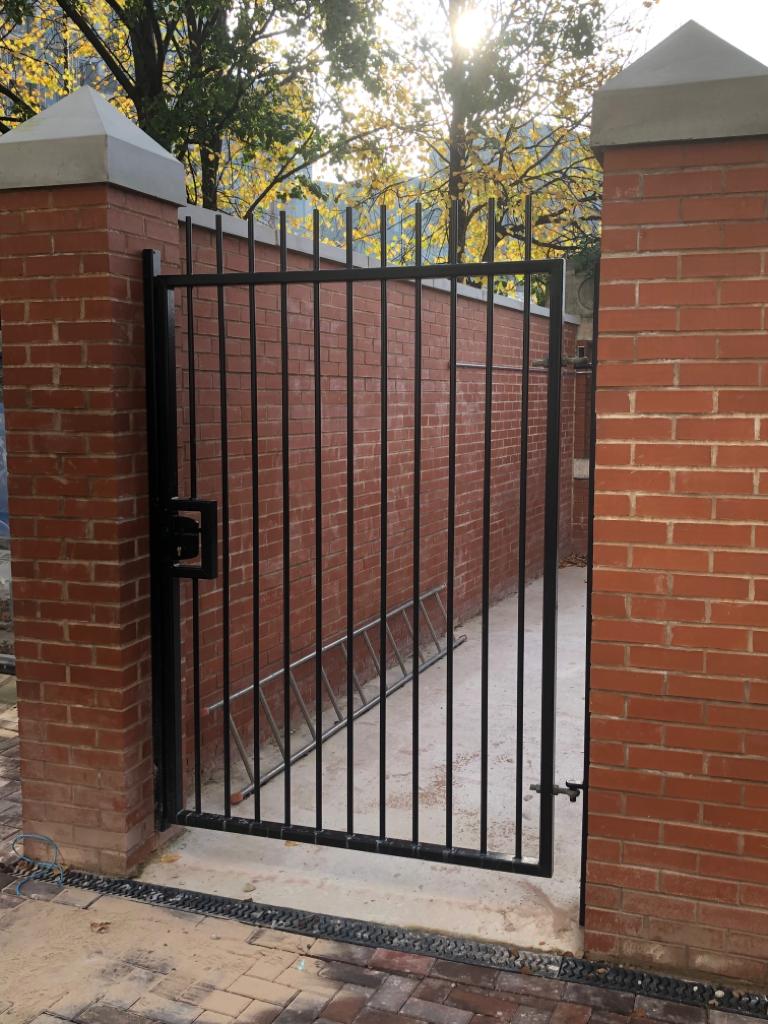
(190, 538)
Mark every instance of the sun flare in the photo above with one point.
(471, 28)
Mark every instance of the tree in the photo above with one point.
(507, 87)
(229, 87)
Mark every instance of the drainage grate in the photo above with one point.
(445, 947)
(624, 979)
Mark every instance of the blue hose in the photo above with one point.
(42, 869)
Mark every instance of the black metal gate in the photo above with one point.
(191, 544)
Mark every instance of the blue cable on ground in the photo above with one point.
(42, 869)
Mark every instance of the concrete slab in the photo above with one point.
(495, 906)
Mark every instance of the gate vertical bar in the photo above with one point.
(453, 221)
(384, 429)
(318, 528)
(193, 494)
(256, 707)
(224, 515)
(285, 444)
(164, 588)
(350, 535)
(523, 532)
(551, 562)
(486, 531)
(416, 527)
(588, 632)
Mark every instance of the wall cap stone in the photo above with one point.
(81, 140)
(692, 86)
(238, 228)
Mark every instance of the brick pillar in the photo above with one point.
(678, 825)
(72, 317)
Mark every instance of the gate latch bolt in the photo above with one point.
(571, 789)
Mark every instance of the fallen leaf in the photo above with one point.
(169, 858)
(100, 926)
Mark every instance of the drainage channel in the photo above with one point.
(482, 954)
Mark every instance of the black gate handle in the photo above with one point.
(188, 539)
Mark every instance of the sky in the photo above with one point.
(744, 23)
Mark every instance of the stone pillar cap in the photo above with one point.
(82, 139)
(692, 86)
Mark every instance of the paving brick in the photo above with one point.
(435, 990)
(531, 1015)
(126, 991)
(229, 1003)
(346, 1004)
(351, 974)
(481, 1001)
(465, 974)
(181, 987)
(721, 1017)
(73, 1003)
(102, 1013)
(168, 1011)
(270, 963)
(254, 988)
(528, 984)
(404, 963)
(223, 975)
(436, 1013)
(600, 998)
(305, 1008)
(149, 960)
(570, 1013)
(369, 1016)
(347, 952)
(217, 928)
(269, 991)
(392, 993)
(673, 1013)
(258, 1013)
(306, 974)
(606, 1017)
(209, 1017)
(281, 940)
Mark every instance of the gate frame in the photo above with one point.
(162, 425)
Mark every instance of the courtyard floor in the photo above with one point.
(71, 955)
(534, 913)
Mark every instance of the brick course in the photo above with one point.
(678, 849)
(73, 348)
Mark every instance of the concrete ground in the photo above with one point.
(10, 786)
(71, 956)
(521, 910)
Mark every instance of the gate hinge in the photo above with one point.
(572, 790)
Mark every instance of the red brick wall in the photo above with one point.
(678, 850)
(471, 387)
(73, 349)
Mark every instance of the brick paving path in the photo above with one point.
(197, 970)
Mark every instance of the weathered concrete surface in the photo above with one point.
(81, 140)
(530, 912)
(693, 85)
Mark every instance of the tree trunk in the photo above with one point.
(210, 158)
(457, 134)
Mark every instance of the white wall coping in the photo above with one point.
(238, 228)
